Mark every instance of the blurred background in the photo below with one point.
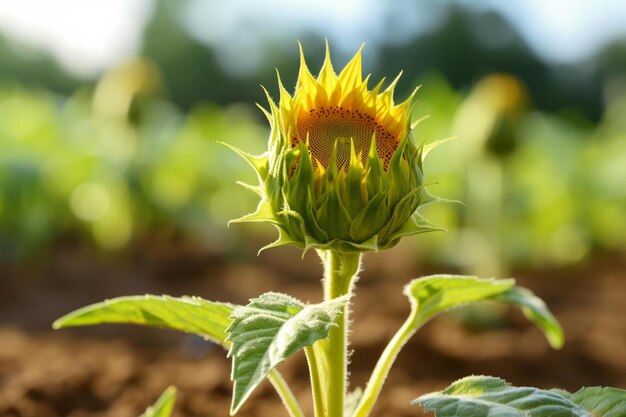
(112, 181)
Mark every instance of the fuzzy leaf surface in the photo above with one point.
(163, 406)
(482, 396)
(600, 401)
(268, 330)
(437, 293)
(188, 314)
(434, 294)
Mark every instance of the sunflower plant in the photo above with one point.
(343, 176)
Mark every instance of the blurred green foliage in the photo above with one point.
(539, 163)
(117, 162)
(538, 188)
(112, 163)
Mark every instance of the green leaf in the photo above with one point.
(269, 330)
(600, 401)
(189, 314)
(482, 396)
(436, 293)
(536, 311)
(164, 405)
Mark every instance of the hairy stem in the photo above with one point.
(339, 272)
(383, 366)
(285, 394)
(313, 358)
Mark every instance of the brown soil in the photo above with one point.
(116, 371)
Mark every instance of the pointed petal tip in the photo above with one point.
(301, 52)
(352, 74)
(279, 80)
(378, 86)
(304, 75)
(419, 120)
(429, 147)
(413, 94)
(267, 114)
(267, 95)
(281, 241)
(254, 188)
(327, 76)
(393, 84)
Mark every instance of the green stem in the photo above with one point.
(339, 272)
(386, 360)
(285, 394)
(317, 381)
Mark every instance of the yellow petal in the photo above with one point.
(327, 78)
(351, 76)
(306, 81)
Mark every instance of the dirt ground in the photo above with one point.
(116, 371)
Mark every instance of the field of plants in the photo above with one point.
(124, 184)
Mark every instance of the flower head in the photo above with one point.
(339, 109)
(342, 170)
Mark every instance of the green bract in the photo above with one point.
(342, 170)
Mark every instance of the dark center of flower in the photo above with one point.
(329, 125)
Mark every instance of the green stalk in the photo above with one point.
(285, 394)
(339, 272)
(383, 366)
(317, 381)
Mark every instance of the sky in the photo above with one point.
(87, 37)
(566, 30)
(84, 36)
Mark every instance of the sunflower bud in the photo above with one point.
(342, 170)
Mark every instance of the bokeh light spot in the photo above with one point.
(90, 201)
